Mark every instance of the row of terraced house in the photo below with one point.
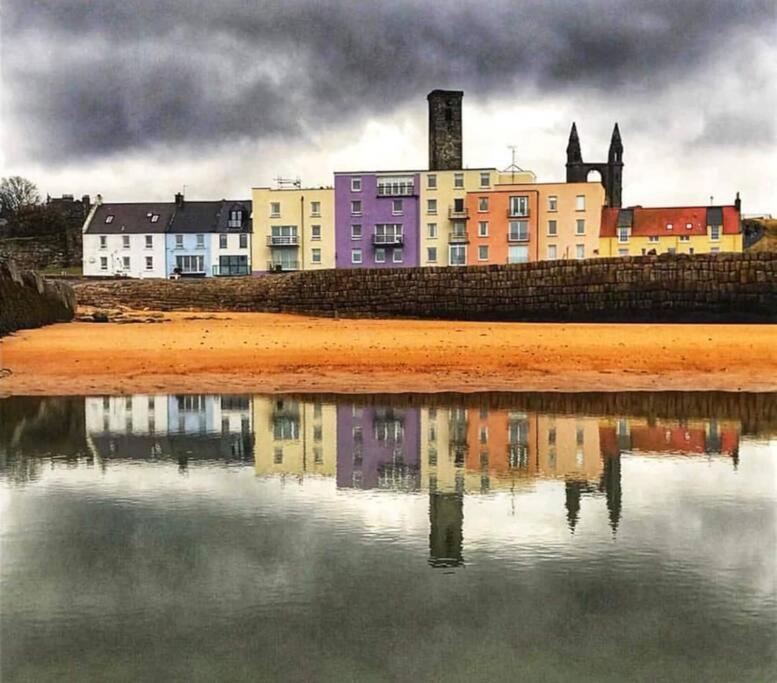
(446, 215)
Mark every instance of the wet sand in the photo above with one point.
(234, 352)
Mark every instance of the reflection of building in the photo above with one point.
(187, 427)
(378, 447)
(294, 438)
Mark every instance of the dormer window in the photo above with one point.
(109, 218)
(669, 226)
(688, 226)
(235, 218)
(154, 217)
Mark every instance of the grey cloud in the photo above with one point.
(87, 79)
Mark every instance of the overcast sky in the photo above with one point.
(134, 99)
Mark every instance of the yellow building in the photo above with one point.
(637, 231)
(443, 207)
(295, 438)
(294, 229)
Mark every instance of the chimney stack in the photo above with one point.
(179, 200)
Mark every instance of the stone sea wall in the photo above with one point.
(711, 287)
(28, 300)
(43, 251)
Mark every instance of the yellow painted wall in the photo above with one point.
(445, 193)
(295, 208)
(701, 244)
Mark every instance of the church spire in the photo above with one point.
(616, 146)
(574, 154)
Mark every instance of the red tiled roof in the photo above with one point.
(655, 221)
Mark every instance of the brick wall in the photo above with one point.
(710, 287)
(28, 300)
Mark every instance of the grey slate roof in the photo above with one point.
(192, 217)
(131, 218)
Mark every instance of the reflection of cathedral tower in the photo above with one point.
(611, 485)
(446, 519)
(573, 493)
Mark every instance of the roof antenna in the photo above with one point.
(513, 167)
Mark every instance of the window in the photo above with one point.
(283, 235)
(483, 252)
(552, 203)
(149, 263)
(431, 254)
(431, 181)
(103, 242)
(356, 255)
(689, 226)
(315, 208)
(190, 264)
(200, 241)
(396, 186)
(669, 226)
(458, 180)
(397, 206)
(519, 206)
(483, 229)
(458, 255)
(149, 241)
(103, 263)
(235, 218)
(580, 251)
(179, 241)
(685, 238)
(243, 241)
(275, 209)
(653, 238)
(223, 241)
(380, 255)
(459, 230)
(580, 202)
(580, 226)
(483, 204)
(551, 251)
(154, 217)
(356, 184)
(125, 261)
(315, 232)
(485, 179)
(518, 254)
(552, 228)
(623, 234)
(356, 207)
(315, 255)
(398, 255)
(431, 230)
(356, 231)
(125, 241)
(109, 218)
(388, 233)
(519, 231)
(233, 265)
(623, 252)
(715, 232)
(690, 250)
(431, 206)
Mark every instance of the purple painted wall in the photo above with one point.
(360, 461)
(374, 210)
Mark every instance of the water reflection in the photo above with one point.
(530, 536)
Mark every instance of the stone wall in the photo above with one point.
(28, 300)
(61, 250)
(710, 287)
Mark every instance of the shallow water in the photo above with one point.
(487, 537)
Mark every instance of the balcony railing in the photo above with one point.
(388, 240)
(282, 241)
(454, 213)
(513, 213)
(396, 190)
(458, 238)
(282, 266)
(517, 237)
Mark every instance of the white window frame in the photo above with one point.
(125, 241)
(149, 241)
(126, 263)
(485, 179)
(483, 204)
(243, 241)
(621, 232)
(103, 241)
(103, 263)
(429, 252)
(519, 206)
(431, 231)
(149, 263)
(356, 184)
(431, 181)
(552, 252)
(275, 209)
(356, 256)
(200, 241)
(554, 231)
(380, 255)
(482, 228)
(179, 241)
(398, 255)
(458, 180)
(580, 222)
(356, 207)
(223, 241)
(580, 251)
(356, 231)
(519, 236)
(315, 255)
(457, 248)
(431, 207)
(715, 233)
(315, 233)
(481, 247)
(315, 208)
(580, 202)
(397, 207)
(553, 203)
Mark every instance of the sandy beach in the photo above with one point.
(233, 352)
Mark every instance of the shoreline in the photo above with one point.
(281, 353)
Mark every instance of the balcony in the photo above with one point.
(518, 237)
(282, 241)
(396, 189)
(458, 238)
(512, 213)
(458, 214)
(388, 240)
(282, 266)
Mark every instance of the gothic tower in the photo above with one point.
(445, 132)
(611, 172)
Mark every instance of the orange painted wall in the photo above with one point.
(498, 225)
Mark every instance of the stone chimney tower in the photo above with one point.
(445, 136)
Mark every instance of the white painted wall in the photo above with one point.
(109, 260)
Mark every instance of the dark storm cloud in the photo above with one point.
(87, 78)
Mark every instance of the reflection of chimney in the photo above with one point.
(446, 519)
(573, 493)
(179, 200)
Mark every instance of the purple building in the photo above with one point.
(377, 220)
(378, 447)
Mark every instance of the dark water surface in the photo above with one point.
(499, 537)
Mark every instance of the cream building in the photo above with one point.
(294, 229)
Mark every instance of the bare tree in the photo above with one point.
(17, 193)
